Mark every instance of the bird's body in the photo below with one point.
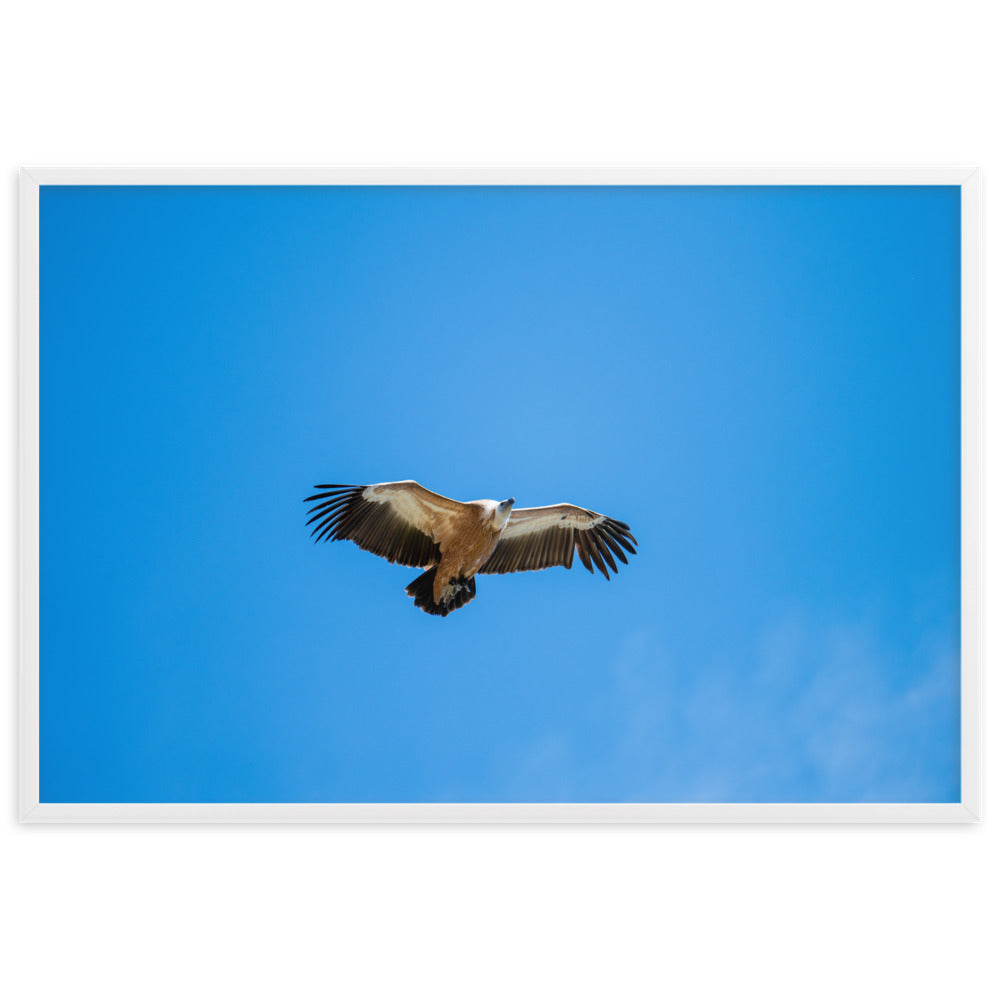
(453, 541)
(466, 543)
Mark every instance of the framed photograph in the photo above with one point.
(503, 495)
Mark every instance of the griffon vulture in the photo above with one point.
(453, 541)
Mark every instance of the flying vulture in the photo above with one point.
(453, 541)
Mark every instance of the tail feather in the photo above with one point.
(456, 596)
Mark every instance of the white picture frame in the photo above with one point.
(32, 810)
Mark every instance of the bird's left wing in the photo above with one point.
(538, 537)
(400, 521)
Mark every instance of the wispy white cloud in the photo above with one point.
(809, 712)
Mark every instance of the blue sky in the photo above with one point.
(763, 382)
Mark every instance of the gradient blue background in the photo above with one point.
(764, 382)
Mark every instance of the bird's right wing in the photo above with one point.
(401, 522)
(538, 537)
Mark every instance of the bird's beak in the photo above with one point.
(508, 503)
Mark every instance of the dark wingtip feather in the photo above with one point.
(602, 547)
(609, 540)
(330, 491)
(595, 554)
(623, 529)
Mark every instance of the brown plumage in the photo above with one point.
(452, 541)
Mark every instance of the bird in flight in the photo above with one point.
(453, 541)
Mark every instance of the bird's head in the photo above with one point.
(502, 513)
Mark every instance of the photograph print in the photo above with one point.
(499, 493)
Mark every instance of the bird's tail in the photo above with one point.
(459, 592)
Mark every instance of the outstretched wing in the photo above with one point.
(401, 522)
(537, 537)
